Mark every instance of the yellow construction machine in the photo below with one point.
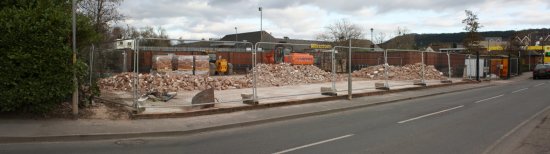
(219, 65)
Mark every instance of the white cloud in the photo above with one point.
(304, 19)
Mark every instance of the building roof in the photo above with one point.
(253, 37)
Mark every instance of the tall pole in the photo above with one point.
(261, 22)
(423, 68)
(333, 61)
(349, 70)
(509, 64)
(91, 64)
(261, 18)
(490, 57)
(519, 64)
(75, 82)
(372, 36)
(477, 65)
(236, 34)
(529, 59)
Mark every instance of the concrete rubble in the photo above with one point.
(407, 72)
(268, 75)
(286, 74)
(171, 82)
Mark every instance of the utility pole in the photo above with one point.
(75, 82)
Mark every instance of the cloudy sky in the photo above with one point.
(304, 19)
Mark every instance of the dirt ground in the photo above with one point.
(98, 110)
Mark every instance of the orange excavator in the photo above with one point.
(282, 54)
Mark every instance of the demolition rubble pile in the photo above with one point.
(268, 75)
(286, 74)
(407, 72)
(171, 82)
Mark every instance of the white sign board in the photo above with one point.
(471, 67)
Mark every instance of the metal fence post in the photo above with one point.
(423, 67)
(91, 63)
(333, 60)
(449, 63)
(386, 68)
(254, 70)
(349, 71)
(529, 59)
(136, 74)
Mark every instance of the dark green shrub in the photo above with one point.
(35, 56)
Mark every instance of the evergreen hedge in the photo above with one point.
(35, 56)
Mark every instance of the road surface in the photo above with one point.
(461, 122)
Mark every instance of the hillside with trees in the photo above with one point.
(419, 41)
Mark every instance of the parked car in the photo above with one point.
(541, 71)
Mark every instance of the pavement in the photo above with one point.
(538, 140)
(530, 137)
(53, 130)
(230, 100)
(282, 96)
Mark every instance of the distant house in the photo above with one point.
(252, 37)
(429, 49)
(300, 44)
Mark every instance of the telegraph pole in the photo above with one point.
(75, 82)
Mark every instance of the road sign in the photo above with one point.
(534, 48)
(320, 46)
(496, 48)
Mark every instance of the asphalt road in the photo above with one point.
(461, 122)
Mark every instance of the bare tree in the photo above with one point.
(402, 39)
(380, 38)
(340, 32)
(402, 31)
(472, 26)
(102, 12)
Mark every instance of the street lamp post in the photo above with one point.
(261, 17)
(372, 36)
(261, 22)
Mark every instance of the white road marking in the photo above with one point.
(426, 115)
(313, 144)
(519, 90)
(489, 99)
(539, 84)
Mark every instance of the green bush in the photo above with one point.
(35, 57)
